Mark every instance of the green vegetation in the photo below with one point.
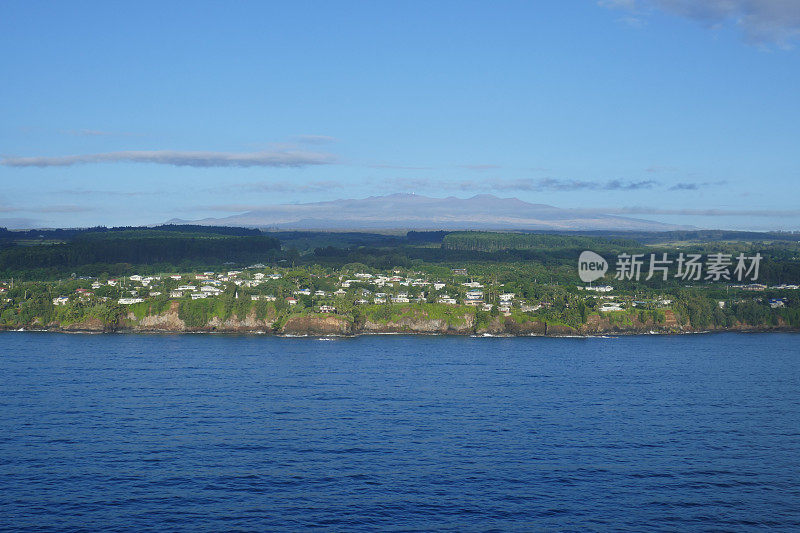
(64, 277)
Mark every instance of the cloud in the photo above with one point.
(541, 185)
(181, 159)
(693, 186)
(576, 185)
(314, 139)
(761, 21)
(225, 208)
(640, 210)
(95, 133)
(46, 209)
(523, 184)
(479, 167)
(316, 186)
(124, 194)
(657, 168)
(399, 167)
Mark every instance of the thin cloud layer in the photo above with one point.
(316, 186)
(640, 210)
(523, 184)
(181, 159)
(314, 139)
(761, 21)
(47, 209)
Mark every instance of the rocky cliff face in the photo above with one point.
(170, 321)
(317, 325)
(596, 324)
(328, 324)
(92, 325)
(420, 325)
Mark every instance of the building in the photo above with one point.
(775, 303)
(129, 301)
(475, 295)
(600, 288)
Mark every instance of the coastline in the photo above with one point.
(414, 322)
(352, 334)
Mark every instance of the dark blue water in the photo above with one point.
(218, 433)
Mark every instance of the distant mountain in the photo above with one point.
(411, 211)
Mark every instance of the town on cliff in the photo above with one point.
(464, 283)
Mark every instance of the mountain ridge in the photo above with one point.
(417, 212)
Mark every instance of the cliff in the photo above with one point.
(408, 320)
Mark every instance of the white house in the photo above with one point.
(211, 291)
(601, 288)
(128, 301)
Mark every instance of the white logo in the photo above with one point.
(591, 266)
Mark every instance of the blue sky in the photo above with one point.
(134, 113)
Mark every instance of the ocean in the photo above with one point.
(402, 433)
